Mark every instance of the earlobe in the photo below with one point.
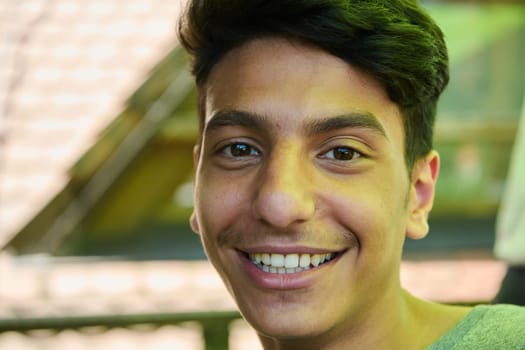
(422, 189)
(194, 223)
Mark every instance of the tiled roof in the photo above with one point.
(42, 287)
(66, 68)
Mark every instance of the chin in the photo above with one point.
(288, 332)
(288, 324)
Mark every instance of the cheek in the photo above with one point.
(375, 222)
(218, 202)
(375, 214)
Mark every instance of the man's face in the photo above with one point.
(302, 161)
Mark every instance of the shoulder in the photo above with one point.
(487, 327)
(495, 327)
(503, 317)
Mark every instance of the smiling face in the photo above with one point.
(302, 196)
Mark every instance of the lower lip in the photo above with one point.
(287, 281)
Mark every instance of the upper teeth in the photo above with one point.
(290, 262)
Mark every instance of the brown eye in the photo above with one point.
(240, 150)
(342, 153)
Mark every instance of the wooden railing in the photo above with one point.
(215, 325)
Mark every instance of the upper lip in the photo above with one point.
(296, 249)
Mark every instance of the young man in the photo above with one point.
(315, 161)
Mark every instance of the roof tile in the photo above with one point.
(70, 67)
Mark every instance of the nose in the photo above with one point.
(284, 196)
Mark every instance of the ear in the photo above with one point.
(194, 223)
(421, 197)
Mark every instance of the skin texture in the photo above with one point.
(301, 152)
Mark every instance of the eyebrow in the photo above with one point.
(351, 120)
(236, 118)
(315, 127)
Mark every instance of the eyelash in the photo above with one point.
(227, 150)
(253, 152)
(354, 154)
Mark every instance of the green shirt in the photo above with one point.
(487, 327)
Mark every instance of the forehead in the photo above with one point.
(291, 82)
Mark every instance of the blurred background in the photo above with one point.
(97, 125)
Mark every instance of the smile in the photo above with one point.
(289, 263)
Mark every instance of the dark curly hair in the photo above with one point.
(395, 41)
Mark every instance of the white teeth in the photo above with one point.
(289, 263)
(315, 259)
(266, 259)
(305, 260)
(277, 260)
